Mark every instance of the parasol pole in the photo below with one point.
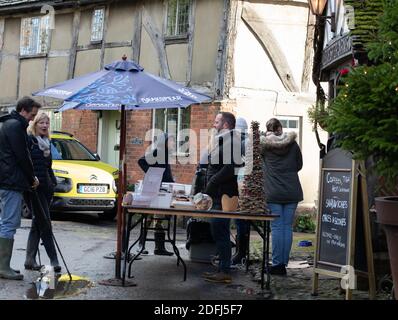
(120, 193)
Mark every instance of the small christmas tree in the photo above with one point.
(252, 196)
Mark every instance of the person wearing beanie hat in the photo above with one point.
(242, 226)
(241, 124)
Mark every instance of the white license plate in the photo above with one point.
(93, 189)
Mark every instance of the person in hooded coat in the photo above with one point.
(282, 162)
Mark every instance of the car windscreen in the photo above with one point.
(68, 149)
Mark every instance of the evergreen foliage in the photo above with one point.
(365, 113)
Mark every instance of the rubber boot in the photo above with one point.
(160, 249)
(242, 242)
(31, 250)
(6, 272)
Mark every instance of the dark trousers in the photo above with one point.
(41, 227)
(221, 235)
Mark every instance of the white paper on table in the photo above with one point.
(152, 181)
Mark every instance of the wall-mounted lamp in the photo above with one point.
(317, 7)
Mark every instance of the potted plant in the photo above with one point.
(365, 117)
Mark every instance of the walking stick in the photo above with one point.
(47, 219)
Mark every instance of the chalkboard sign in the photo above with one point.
(335, 217)
(335, 209)
(343, 229)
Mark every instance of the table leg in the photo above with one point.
(143, 231)
(126, 238)
(176, 251)
(267, 232)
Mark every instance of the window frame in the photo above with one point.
(177, 38)
(298, 130)
(23, 53)
(179, 125)
(55, 119)
(94, 41)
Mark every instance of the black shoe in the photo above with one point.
(35, 267)
(57, 268)
(278, 270)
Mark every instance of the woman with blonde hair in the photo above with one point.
(40, 150)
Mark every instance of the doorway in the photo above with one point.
(108, 142)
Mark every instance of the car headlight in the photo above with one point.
(63, 185)
(114, 185)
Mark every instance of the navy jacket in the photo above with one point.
(16, 168)
(42, 168)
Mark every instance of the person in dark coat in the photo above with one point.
(242, 226)
(40, 150)
(282, 160)
(159, 157)
(16, 177)
(222, 187)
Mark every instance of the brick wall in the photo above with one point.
(83, 124)
(139, 122)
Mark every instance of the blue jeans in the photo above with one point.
(220, 232)
(282, 231)
(10, 212)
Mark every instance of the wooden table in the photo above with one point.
(130, 211)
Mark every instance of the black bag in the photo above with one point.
(198, 232)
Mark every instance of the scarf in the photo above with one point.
(44, 145)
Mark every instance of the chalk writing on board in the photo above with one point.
(335, 206)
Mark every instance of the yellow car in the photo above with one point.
(84, 183)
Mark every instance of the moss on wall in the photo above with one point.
(367, 13)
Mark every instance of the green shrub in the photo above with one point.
(304, 223)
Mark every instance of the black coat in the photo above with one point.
(16, 168)
(282, 161)
(221, 173)
(144, 165)
(42, 168)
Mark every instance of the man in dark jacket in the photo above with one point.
(222, 186)
(16, 177)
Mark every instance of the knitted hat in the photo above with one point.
(241, 124)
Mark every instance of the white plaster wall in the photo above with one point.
(259, 92)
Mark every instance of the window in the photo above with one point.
(173, 121)
(69, 149)
(178, 17)
(55, 119)
(97, 25)
(290, 124)
(34, 35)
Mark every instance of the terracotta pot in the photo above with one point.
(387, 215)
